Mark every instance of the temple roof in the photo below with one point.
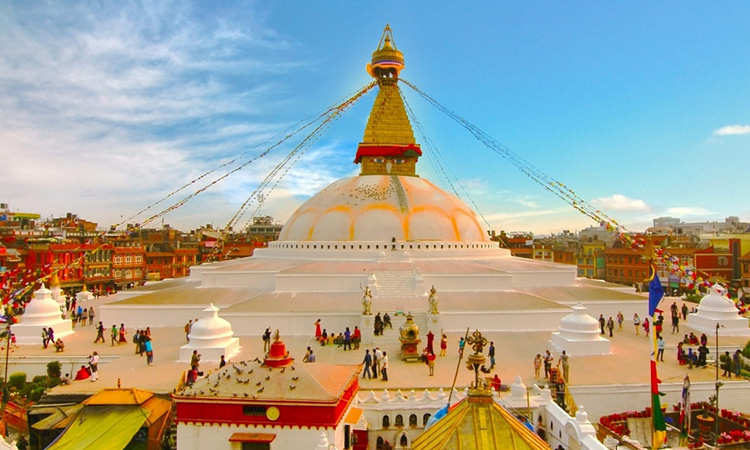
(478, 422)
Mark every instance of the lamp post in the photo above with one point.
(719, 384)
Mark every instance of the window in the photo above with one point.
(589, 272)
(399, 422)
(254, 411)
(723, 261)
(425, 419)
(128, 259)
(118, 259)
(413, 420)
(386, 421)
(138, 258)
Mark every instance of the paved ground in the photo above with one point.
(628, 363)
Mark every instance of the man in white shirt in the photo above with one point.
(384, 366)
(94, 365)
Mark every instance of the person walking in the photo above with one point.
(675, 323)
(113, 334)
(188, 327)
(123, 332)
(610, 325)
(91, 315)
(646, 326)
(737, 360)
(659, 348)
(195, 360)
(548, 358)
(637, 323)
(443, 344)
(620, 320)
(94, 366)
(368, 363)
(461, 343)
(565, 360)
(377, 360)
(431, 362)
(537, 365)
(384, 366)
(356, 337)
(99, 333)
(726, 364)
(45, 338)
(684, 311)
(318, 332)
(490, 353)
(137, 341)
(149, 351)
(347, 339)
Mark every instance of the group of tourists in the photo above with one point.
(142, 341)
(547, 359)
(48, 337)
(381, 323)
(609, 324)
(80, 315)
(346, 339)
(376, 362)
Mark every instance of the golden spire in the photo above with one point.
(388, 146)
(54, 281)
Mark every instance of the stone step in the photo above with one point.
(394, 284)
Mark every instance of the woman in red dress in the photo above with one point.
(123, 339)
(318, 332)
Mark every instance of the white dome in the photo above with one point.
(382, 207)
(211, 327)
(716, 305)
(579, 322)
(43, 309)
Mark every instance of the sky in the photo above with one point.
(640, 108)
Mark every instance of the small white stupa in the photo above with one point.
(41, 312)
(715, 308)
(579, 334)
(212, 336)
(84, 295)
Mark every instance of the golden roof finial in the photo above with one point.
(387, 61)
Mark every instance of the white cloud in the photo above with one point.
(688, 211)
(733, 129)
(619, 202)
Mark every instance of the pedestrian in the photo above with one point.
(673, 309)
(384, 366)
(537, 365)
(548, 358)
(675, 323)
(356, 337)
(387, 321)
(684, 311)
(113, 334)
(565, 360)
(737, 360)
(620, 320)
(658, 324)
(431, 362)
(91, 315)
(84, 316)
(94, 366)
(79, 313)
(149, 351)
(123, 332)
(491, 354)
(45, 338)
(637, 323)
(726, 364)
(347, 339)
(659, 348)
(188, 327)
(267, 340)
(702, 354)
(223, 361)
(368, 363)
(137, 341)
(461, 343)
(195, 360)
(318, 332)
(602, 323)
(610, 325)
(377, 360)
(443, 344)
(646, 326)
(430, 340)
(99, 333)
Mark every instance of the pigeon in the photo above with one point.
(250, 370)
(247, 395)
(268, 378)
(283, 369)
(258, 383)
(261, 389)
(293, 368)
(246, 381)
(295, 378)
(291, 388)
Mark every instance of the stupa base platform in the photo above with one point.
(211, 353)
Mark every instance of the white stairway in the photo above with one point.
(394, 284)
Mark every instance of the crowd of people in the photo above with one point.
(345, 339)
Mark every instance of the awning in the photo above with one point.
(353, 416)
(252, 437)
(115, 425)
(58, 415)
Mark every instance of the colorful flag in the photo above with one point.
(655, 293)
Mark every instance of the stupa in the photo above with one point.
(387, 228)
(212, 336)
(41, 312)
(578, 334)
(716, 308)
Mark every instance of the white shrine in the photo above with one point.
(41, 312)
(579, 334)
(212, 336)
(716, 308)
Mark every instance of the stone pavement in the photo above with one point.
(627, 364)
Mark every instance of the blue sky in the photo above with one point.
(639, 107)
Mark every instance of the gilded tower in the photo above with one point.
(388, 147)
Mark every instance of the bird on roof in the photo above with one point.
(295, 378)
(291, 388)
(293, 368)
(268, 377)
(261, 389)
(247, 395)
(258, 383)
(283, 369)
(250, 370)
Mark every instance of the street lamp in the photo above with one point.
(719, 384)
